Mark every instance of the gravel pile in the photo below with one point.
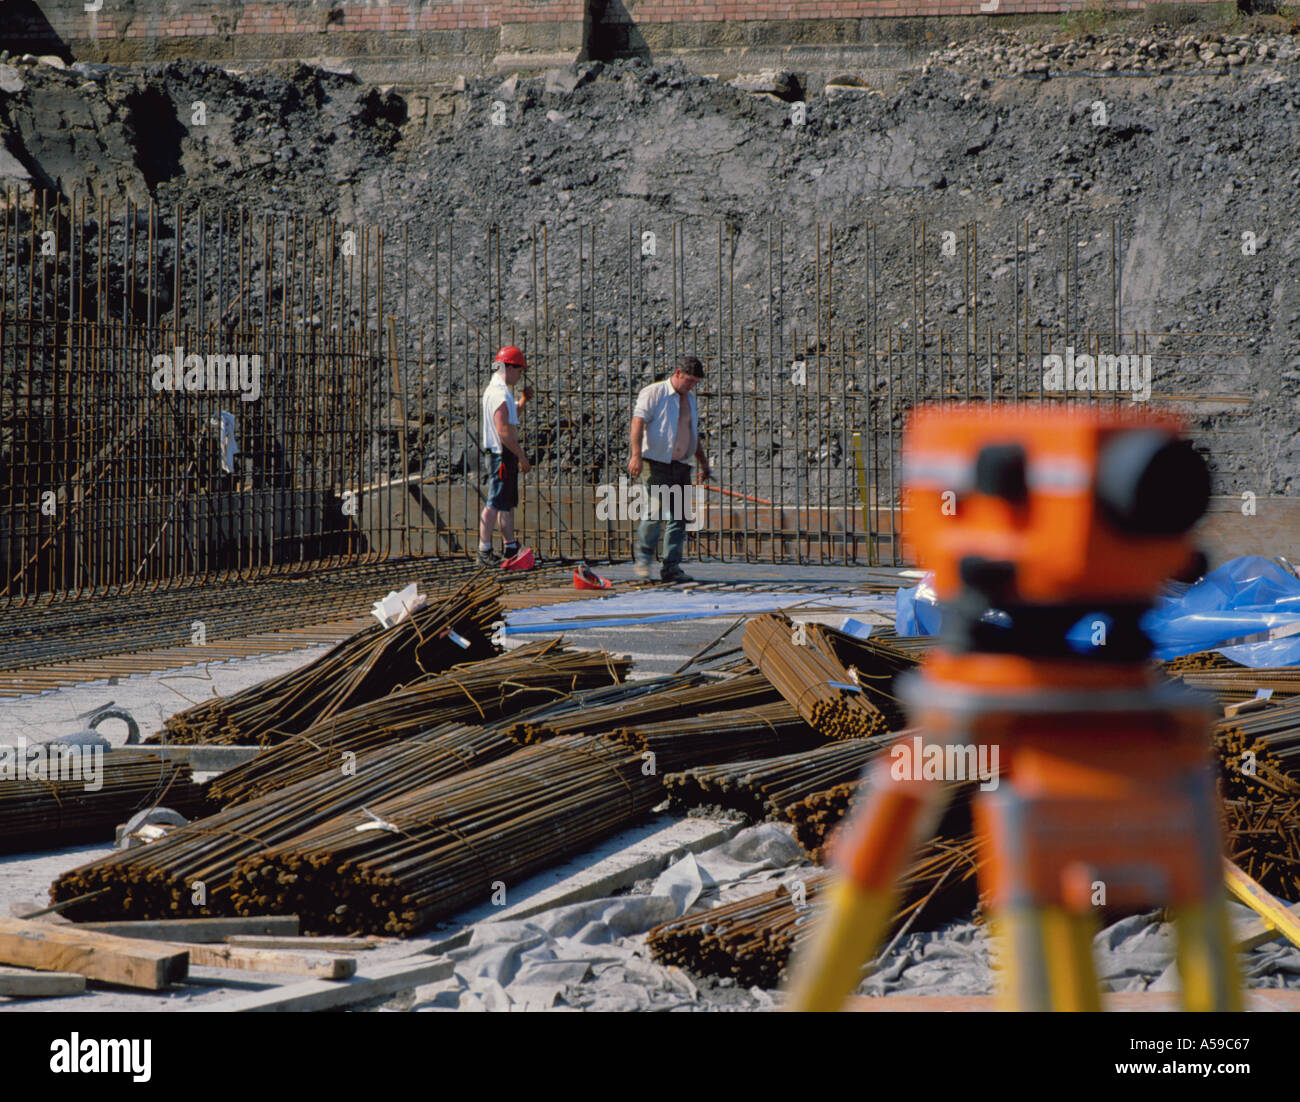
(1161, 50)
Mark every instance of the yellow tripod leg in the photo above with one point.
(1206, 961)
(1047, 960)
(850, 929)
(1069, 960)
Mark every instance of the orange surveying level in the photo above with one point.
(1065, 521)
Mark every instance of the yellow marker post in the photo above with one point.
(862, 495)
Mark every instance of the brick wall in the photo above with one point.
(707, 11)
(117, 19)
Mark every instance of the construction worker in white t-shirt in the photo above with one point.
(506, 454)
(665, 436)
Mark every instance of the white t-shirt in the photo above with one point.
(659, 406)
(494, 394)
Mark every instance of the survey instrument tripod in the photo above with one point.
(1066, 522)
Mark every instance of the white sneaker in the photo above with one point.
(642, 569)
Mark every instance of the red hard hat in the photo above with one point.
(512, 356)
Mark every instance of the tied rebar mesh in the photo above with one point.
(363, 442)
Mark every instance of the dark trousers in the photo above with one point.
(655, 475)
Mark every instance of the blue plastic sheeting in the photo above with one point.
(1245, 596)
(856, 628)
(1242, 597)
(917, 610)
(651, 607)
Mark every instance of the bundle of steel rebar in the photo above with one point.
(405, 862)
(766, 787)
(815, 816)
(360, 669)
(872, 664)
(1263, 838)
(753, 939)
(918, 646)
(533, 726)
(1242, 682)
(1199, 661)
(697, 695)
(65, 805)
(1259, 759)
(737, 735)
(473, 692)
(813, 682)
(1272, 733)
(163, 879)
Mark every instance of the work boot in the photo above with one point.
(641, 569)
(675, 574)
(489, 558)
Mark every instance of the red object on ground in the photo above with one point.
(523, 559)
(586, 578)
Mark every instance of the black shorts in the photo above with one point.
(503, 490)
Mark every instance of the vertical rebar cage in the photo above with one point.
(190, 395)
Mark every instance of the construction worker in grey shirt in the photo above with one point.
(665, 435)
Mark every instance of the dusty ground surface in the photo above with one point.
(1197, 148)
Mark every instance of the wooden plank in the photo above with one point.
(197, 930)
(326, 944)
(372, 982)
(24, 983)
(1259, 899)
(97, 956)
(1251, 935)
(321, 965)
(1254, 704)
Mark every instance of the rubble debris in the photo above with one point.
(1158, 49)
